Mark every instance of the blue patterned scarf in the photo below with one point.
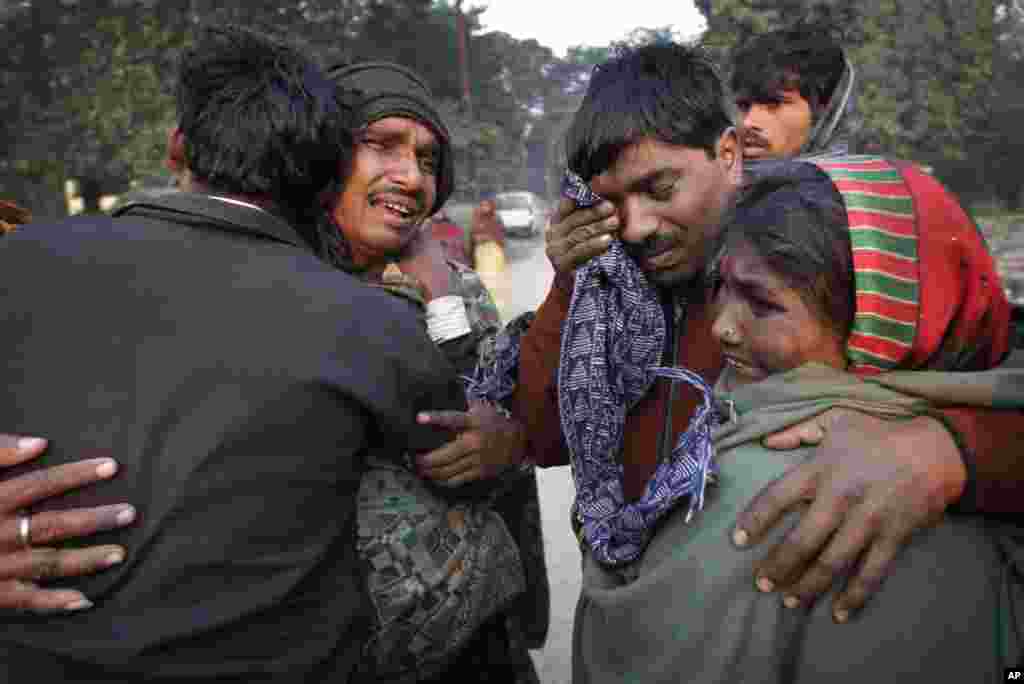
(613, 340)
(612, 344)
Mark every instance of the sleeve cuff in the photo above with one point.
(552, 311)
(968, 501)
(447, 319)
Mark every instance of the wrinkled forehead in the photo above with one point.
(403, 127)
(641, 162)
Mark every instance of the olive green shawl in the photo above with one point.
(952, 608)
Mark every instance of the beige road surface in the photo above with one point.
(527, 278)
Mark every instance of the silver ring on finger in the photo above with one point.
(25, 529)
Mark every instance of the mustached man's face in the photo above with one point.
(776, 129)
(389, 189)
(669, 200)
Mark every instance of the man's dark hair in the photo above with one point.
(259, 118)
(670, 92)
(794, 219)
(807, 56)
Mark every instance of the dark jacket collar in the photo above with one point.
(194, 208)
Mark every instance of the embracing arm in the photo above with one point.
(990, 443)
(535, 400)
(20, 565)
(573, 237)
(971, 331)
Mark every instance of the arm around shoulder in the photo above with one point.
(535, 401)
(989, 441)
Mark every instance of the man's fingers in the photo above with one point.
(580, 254)
(589, 232)
(26, 597)
(15, 449)
(473, 474)
(804, 543)
(772, 502)
(453, 474)
(807, 433)
(37, 485)
(48, 527)
(580, 235)
(451, 420)
(443, 457)
(565, 207)
(45, 563)
(869, 577)
(848, 544)
(566, 223)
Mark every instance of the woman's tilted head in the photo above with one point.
(782, 276)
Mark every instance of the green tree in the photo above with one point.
(88, 83)
(1001, 141)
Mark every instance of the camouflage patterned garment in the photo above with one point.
(483, 315)
(441, 564)
(439, 568)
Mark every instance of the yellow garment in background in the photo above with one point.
(489, 260)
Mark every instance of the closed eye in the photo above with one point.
(763, 307)
(428, 164)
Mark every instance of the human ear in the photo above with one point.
(729, 152)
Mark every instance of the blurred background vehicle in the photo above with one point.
(524, 214)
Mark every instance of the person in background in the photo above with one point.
(795, 91)
(453, 238)
(487, 235)
(12, 216)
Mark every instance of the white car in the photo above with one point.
(523, 214)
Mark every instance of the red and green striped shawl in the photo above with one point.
(883, 233)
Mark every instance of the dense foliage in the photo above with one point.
(86, 83)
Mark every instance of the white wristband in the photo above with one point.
(447, 319)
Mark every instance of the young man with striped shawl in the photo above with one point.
(655, 137)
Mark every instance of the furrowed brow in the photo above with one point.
(649, 179)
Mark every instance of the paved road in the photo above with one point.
(528, 276)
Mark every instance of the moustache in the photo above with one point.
(753, 139)
(647, 249)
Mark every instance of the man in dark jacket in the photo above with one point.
(237, 378)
